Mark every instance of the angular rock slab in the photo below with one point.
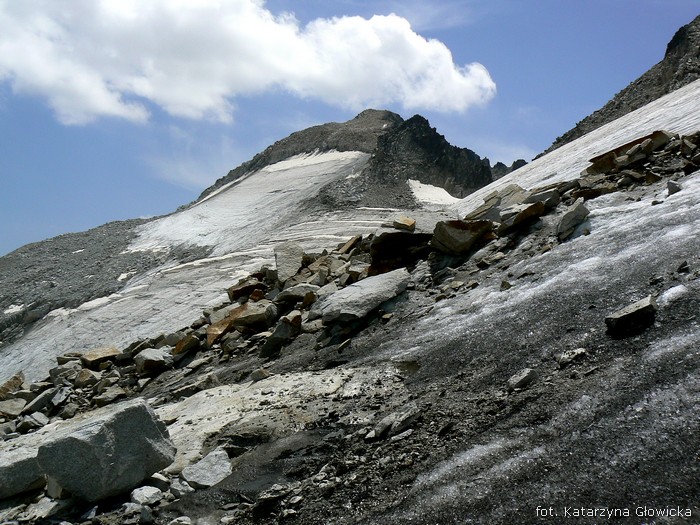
(92, 359)
(458, 237)
(209, 471)
(359, 299)
(108, 453)
(288, 258)
(573, 216)
(632, 319)
(19, 471)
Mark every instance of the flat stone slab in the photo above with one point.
(357, 300)
(210, 470)
(288, 258)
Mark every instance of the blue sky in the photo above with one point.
(115, 109)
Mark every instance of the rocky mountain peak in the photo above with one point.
(415, 150)
(679, 67)
(358, 134)
(409, 150)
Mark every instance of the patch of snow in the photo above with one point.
(124, 276)
(79, 251)
(13, 309)
(431, 195)
(672, 294)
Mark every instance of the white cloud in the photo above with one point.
(192, 58)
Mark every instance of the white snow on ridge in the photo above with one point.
(239, 215)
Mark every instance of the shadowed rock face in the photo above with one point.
(410, 150)
(414, 150)
(680, 66)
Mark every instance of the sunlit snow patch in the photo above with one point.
(431, 195)
(13, 309)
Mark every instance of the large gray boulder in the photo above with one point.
(108, 453)
(357, 300)
(19, 471)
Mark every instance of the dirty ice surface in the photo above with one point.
(629, 243)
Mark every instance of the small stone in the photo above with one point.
(86, 378)
(209, 471)
(32, 422)
(189, 343)
(288, 258)
(296, 292)
(573, 216)
(404, 223)
(243, 288)
(259, 375)
(632, 319)
(182, 520)
(159, 481)
(42, 401)
(179, 488)
(54, 490)
(110, 395)
(350, 244)
(92, 359)
(396, 422)
(522, 379)
(152, 361)
(570, 355)
(146, 495)
(65, 373)
(12, 407)
(673, 187)
(11, 386)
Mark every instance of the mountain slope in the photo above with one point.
(315, 171)
(471, 396)
(680, 66)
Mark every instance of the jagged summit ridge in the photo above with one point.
(401, 150)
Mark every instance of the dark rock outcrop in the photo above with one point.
(680, 66)
(411, 150)
(414, 150)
